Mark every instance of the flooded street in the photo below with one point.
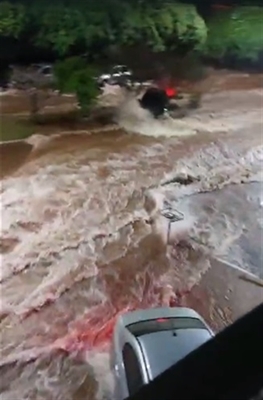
(83, 238)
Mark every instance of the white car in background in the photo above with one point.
(119, 74)
(148, 342)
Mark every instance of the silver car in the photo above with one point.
(117, 75)
(148, 342)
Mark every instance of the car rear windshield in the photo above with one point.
(164, 324)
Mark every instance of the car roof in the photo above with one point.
(163, 349)
(152, 313)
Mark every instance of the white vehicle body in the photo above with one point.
(148, 342)
(118, 72)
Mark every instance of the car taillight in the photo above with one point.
(170, 92)
(161, 320)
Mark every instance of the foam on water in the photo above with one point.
(230, 115)
(100, 363)
(58, 213)
(62, 215)
(133, 118)
(77, 238)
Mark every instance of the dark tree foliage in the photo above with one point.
(66, 27)
(237, 32)
(74, 76)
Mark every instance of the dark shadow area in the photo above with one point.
(233, 63)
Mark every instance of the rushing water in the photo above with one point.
(83, 237)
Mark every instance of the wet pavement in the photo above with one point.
(223, 295)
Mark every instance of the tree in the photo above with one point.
(179, 24)
(66, 27)
(236, 33)
(163, 26)
(59, 27)
(13, 19)
(74, 76)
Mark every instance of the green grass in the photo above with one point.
(12, 128)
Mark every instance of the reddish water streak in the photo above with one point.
(96, 328)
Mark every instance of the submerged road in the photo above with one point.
(77, 247)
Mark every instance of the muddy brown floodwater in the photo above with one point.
(83, 239)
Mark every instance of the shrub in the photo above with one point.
(237, 33)
(13, 19)
(74, 76)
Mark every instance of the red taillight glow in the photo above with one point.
(161, 320)
(170, 92)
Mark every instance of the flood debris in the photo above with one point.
(172, 215)
(181, 179)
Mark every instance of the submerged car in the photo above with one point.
(168, 102)
(43, 69)
(148, 342)
(118, 75)
(155, 100)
